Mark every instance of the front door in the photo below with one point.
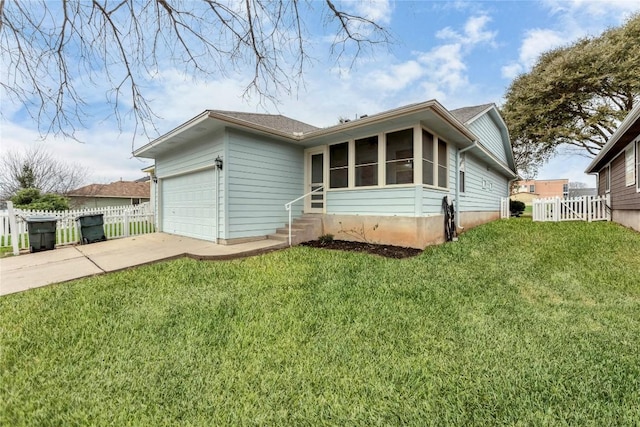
(315, 180)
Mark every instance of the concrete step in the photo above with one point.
(278, 236)
(285, 230)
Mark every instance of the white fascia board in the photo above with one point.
(191, 123)
(392, 114)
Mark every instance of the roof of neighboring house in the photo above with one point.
(122, 189)
(467, 113)
(626, 132)
(273, 121)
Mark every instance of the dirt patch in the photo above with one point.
(387, 251)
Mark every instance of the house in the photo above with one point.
(528, 190)
(226, 176)
(119, 193)
(618, 169)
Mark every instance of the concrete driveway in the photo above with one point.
(38, 269)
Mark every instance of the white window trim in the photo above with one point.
(382, 161)
(629, 165)
(462, 187)
(637, 147)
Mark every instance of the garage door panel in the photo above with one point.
(189, 205)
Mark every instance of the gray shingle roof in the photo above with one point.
(274, 121)
(467, 113)
(124, 189)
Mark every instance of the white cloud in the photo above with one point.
(474, 33)
(569, 18)
(379, 11)
(593, 9)
(397, 77)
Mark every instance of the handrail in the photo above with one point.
(287, 206)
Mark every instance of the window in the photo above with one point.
(607, 179)
(135, 201)
(463, 161)
(427, 158)
(565, 190)
(339, 165)
(532, 188)
(629, 167)
(366, 168)
(400, 157)
(442, 164)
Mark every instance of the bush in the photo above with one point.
(325, 238)
(31, 198)
(516, 207)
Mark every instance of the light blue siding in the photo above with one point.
(432, 201)
(490, 136)
(376, 201)
(198, 154)
(479, 199)
(263, 175)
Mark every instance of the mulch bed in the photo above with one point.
(388, 251)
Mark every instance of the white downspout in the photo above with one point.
(475, 144)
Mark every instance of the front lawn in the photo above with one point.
(518, 323)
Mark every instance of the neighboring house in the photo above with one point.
(528, 190)
(618, 169)
(119, 193)
(226, 176)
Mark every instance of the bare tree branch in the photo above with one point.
(54, 53)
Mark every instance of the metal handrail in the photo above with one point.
(287, 206)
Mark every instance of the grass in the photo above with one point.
(518, 323)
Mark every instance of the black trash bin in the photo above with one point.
(42, 233)
(91, 228)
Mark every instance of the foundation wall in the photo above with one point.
(628, 218)
(413, 232)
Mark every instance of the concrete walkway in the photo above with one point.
(38, 269)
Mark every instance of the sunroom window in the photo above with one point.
(400, 157)
(427, 158)
(339, 165)
(366, 167)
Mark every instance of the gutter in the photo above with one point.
(474, 145)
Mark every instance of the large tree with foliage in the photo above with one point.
(574, 97)
(51, 50)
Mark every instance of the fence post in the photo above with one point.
(126, 223)
(15, 234)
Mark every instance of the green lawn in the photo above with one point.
(518, 323)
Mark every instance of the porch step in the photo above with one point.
(307, 227)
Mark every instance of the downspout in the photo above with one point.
(458, 153)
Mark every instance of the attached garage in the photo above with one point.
(188, 205)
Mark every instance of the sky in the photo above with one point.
(460, 53)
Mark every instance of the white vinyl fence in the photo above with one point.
(585, 208)
(504, 207)
(119, 221)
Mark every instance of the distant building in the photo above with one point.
(119, 193)
(527, 190)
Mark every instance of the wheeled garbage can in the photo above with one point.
(42, 233)
(91, 228)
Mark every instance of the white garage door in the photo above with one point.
(188, 205)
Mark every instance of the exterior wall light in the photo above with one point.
(218, 163)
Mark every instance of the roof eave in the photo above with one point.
(631, 118)
(403, 111)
